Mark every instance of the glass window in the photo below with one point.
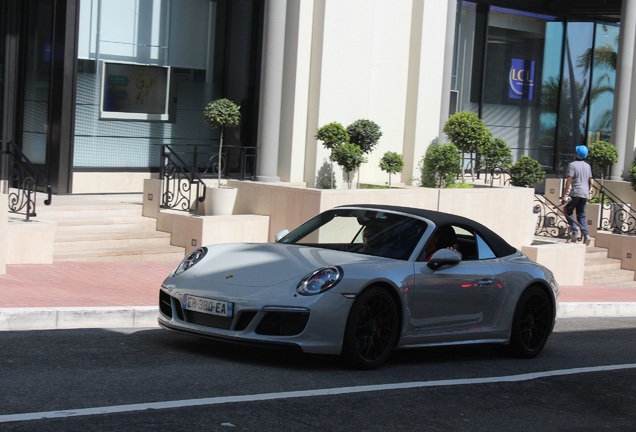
(603, 81)
(37, 75)
(573, 106)
(542, 85)
(519, 53)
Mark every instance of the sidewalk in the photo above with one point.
(109, 295)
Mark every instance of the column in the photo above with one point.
(271, 90)
(624, 129)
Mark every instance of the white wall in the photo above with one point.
(362, 53)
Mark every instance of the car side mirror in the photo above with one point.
(443, 257)
(280, 234)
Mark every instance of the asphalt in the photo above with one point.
(66, 295)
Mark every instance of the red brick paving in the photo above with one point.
(94, 284)
(77, 284)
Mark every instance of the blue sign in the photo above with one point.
(521, 79)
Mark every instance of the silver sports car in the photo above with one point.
(361, 280)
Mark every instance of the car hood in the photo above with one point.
(267, 264)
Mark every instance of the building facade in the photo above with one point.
(92, 89)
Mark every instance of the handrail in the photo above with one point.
(26, 177)
(615, 214)
(184, 166)
(552, 221)
(178, 178)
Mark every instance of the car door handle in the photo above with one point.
(485, 283)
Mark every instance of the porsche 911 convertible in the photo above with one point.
(359, 281)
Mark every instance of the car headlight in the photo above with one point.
(191, 259)
(319, 281)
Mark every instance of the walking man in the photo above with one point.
(575, 194)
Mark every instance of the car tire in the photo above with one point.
(532, 323)
(372, 329)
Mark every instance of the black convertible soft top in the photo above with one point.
(498, 245)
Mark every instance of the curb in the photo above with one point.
(77, 317)
(65, 318)
(596, 310)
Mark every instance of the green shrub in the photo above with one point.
(349, 156)
(603, 155)
(332, 134)
(526, 172)
(440, 166)
(467, 131)
(365, 133)
(495, 154)
(632, 175)
(392, 163)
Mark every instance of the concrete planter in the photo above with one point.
(219, 201)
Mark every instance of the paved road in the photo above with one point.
(151, 379)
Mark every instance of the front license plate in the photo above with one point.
(209, 306)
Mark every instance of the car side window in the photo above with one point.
(483, 250)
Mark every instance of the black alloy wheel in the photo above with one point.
(532, 323)
(372, 329)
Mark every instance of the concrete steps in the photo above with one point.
(601, 270)
(108, 229)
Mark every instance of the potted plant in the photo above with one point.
(440, 165)
(365, 134)
(495, 155)
(468, 132)
(349, 156)
(332, 135)
(603, 155)
(221, 113)
(526, 172)
(391, 163)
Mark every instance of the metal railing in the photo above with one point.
(615, 215)
(184, 167)
(24, 181)
(551, 219)
(179, 182)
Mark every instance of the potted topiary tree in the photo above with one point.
(365, 134)
(221, 113)
(349, 156)
(440, 165)
(332, 134)
(468, 132)
(603, 155)
(495, 155)
(391, 163)
(526, 172)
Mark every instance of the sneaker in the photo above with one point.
(574, 237)
(587, 239)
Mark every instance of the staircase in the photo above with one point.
(106, 228)
(601, 270)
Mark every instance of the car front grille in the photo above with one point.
(165, 304)
(282, 323)
(208, 320)
(275, 323)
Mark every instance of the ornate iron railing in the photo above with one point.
(24, 181)
(615, 215)
(551, 220)
(183, 188)
(185, 166)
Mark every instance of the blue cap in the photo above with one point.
(581, 151)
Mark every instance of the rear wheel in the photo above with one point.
(372, 329)
(532, 323)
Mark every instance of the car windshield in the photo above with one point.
(363, 231)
